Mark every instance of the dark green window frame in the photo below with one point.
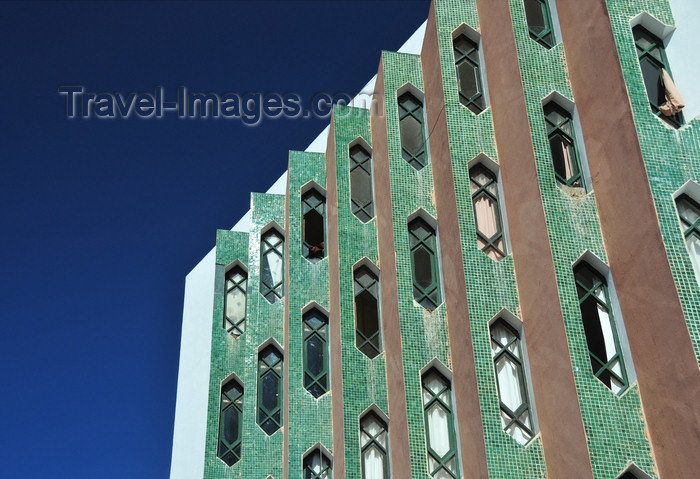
(517, 419)
(539, 22)
(425, 266)
(236, 290)
(594, 299)
(561, 134)
(361, 185)
(652, 61)
(437, 393)
(374, 438)
(317, 465)
(484, 187)
(271, 250)
(270, 366)
(412, 128)
(367, 315)
(230, 422)
(316, 356)
(467, 65)
(313, 209)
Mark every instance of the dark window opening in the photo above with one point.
(230, 422)
(424, 264)
(367, 334)
(539, 22)
(315, 331)
(411, 124)
(361, 197)
(562, 144)
(607, 362)
(314, 211)
(270, 367)
(664, 99)
(471, 92)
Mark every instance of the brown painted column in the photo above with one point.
(396, 387)
(466, 389)
(561, 425)
(336, 358)
(667, 370)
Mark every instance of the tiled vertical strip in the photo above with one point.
(561, 425)
(334, 304)
(424, 332)
(228, 353)
(365, 379)
(669, 380)
(473, 449)
(286, 420)
(310, 418)
(396, 388)
(260, 453)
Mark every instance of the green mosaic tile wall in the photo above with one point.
(309, 418)
(490, 284)
(364, 379)
(672, 157)
(423, 333)
(617, 436)
(260, 453)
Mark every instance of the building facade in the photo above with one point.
(493, 272)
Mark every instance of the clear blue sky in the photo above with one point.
(102, 219)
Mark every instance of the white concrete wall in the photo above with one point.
(189, 436)
(682, 52)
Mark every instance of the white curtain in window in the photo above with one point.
(486, 217)
(693, 243)
(374, 464)
(568, 166)
(274, 263)
(438, 430)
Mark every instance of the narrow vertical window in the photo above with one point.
(230, 422)
(424, 264)
(487, 213)
(272, 266)
(412, 126)
(539, 22)
(439, 426)
(562, 143)
(604, 351)
(516, 417)
(664, 99)
(313, 206)
(235, 301)
(315, 352)
(270, 390)
(374, 447)
(471, 92)
(367, 337)
(361, 196)
(317, 465)
(689, 213)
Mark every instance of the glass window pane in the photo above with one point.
(411, 135)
